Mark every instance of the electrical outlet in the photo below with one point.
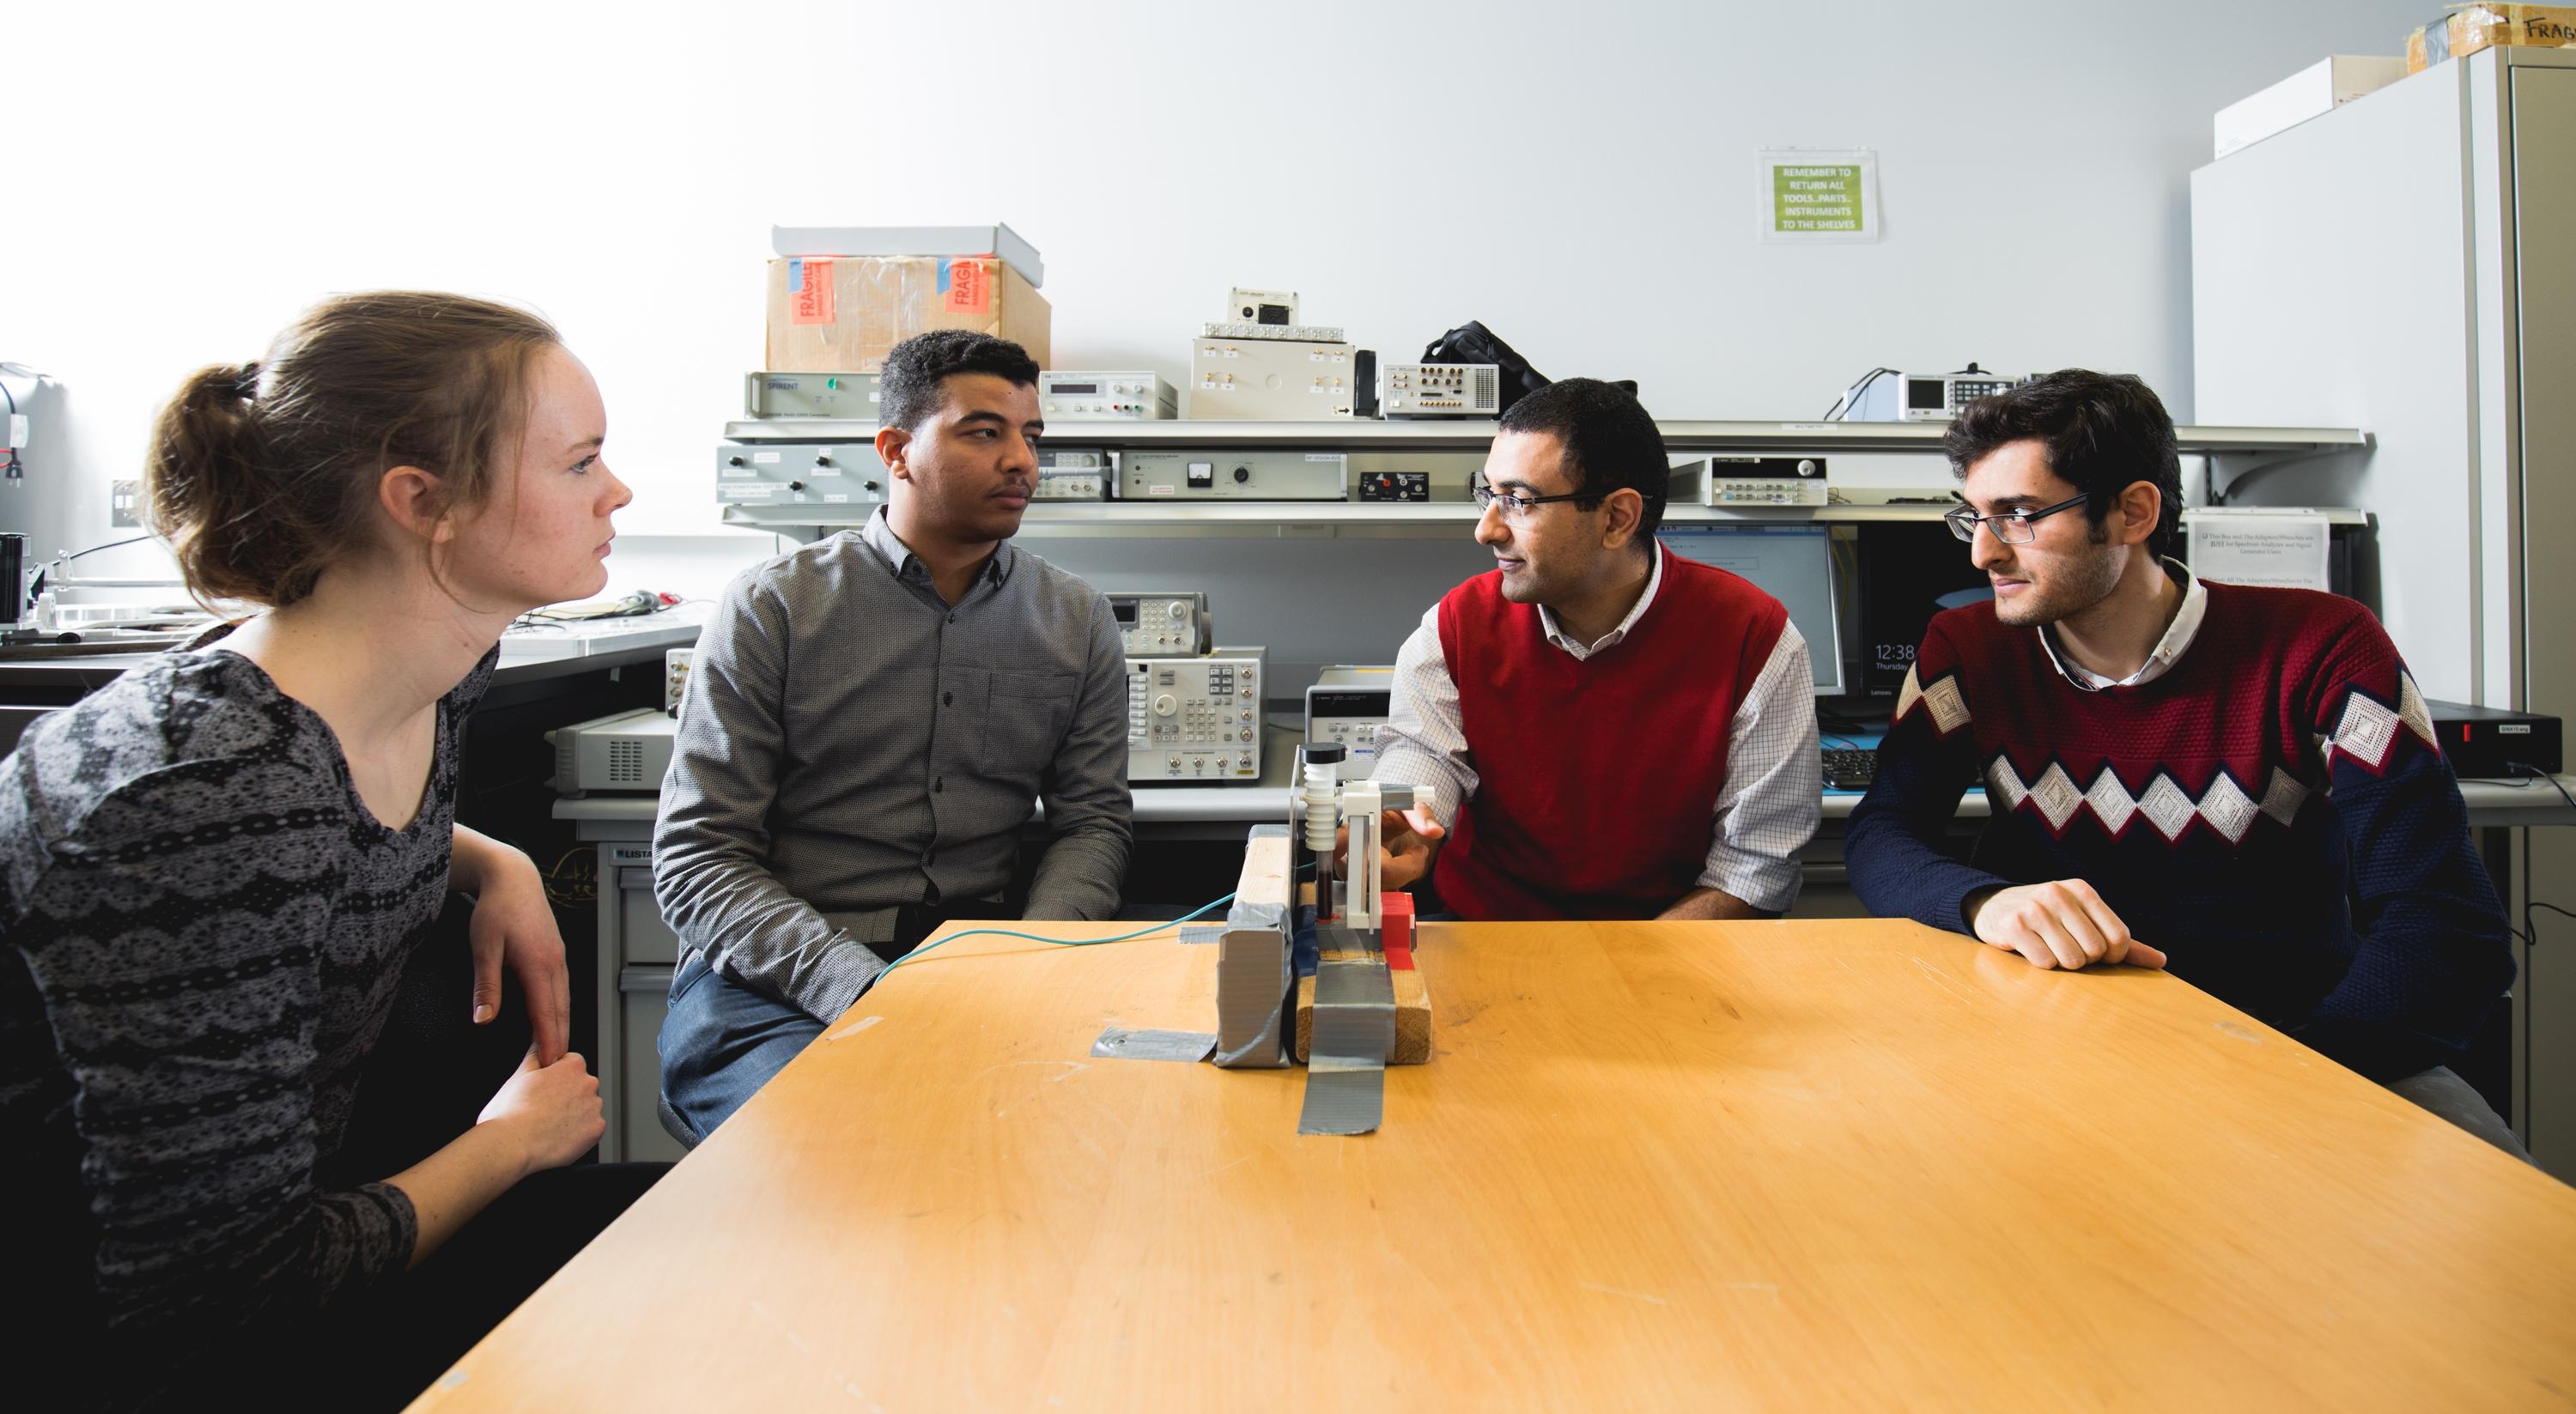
(125, 505)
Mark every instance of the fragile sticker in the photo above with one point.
(964, 288)
(809, 291)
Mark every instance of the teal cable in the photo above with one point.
(1059, 942)
(1199, 912)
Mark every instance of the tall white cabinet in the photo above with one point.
(2407, 264)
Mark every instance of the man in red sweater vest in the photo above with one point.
(1598, 728)
(2239, 783)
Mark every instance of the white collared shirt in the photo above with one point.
(1612, 639)
(2169, 649)
(1763, 813)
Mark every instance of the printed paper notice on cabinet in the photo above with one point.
(2285, 551)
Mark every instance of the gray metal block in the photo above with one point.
(1253, 985)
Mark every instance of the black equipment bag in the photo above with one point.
(1472, 342)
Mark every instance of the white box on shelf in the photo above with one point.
(2319, 88)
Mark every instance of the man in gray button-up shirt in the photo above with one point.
(868, 721)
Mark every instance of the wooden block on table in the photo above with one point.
(1412, 994)
(1264, 879)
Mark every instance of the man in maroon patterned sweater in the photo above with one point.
(2239, 784)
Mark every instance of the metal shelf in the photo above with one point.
(1381, 440)
(1337, 519)
(1367, 435)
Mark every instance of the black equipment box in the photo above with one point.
(2489, 743)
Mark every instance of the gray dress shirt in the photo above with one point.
(851, 743)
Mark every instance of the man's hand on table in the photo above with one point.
(2062, 923)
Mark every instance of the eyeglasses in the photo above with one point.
(2010, 527)
(1513, 505)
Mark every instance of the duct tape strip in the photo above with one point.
(1253, 981)
(1193, 934)
(1354, 1030)
(1343, 1101)
(1120, 1043)
(1252, 990)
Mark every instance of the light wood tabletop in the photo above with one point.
(1790, 1165)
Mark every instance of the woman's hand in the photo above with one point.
(551, 1112)
(513, 924)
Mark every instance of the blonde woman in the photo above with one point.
(213, 870)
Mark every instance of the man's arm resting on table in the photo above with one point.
(2061, 923)
(1713, 903)
(1892, 845)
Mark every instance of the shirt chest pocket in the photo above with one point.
(1025, 718)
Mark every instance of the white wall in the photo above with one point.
(1579, 177)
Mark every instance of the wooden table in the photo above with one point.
(1653, 1166)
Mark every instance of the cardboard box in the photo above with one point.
(912, 240)
(2470, 28)
(2319, 88)
(838, 315)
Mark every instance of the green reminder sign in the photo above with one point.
(1811, 195)
(1816, 198)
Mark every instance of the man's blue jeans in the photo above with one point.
(723, 1041)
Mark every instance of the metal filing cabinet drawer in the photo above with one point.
(647, 938)
(645, 997)
(631, 931)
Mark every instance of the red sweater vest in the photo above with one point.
(1597, 780)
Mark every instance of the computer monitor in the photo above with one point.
(1908, 571)
(1793, 564)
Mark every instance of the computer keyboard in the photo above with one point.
(1850, 768)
